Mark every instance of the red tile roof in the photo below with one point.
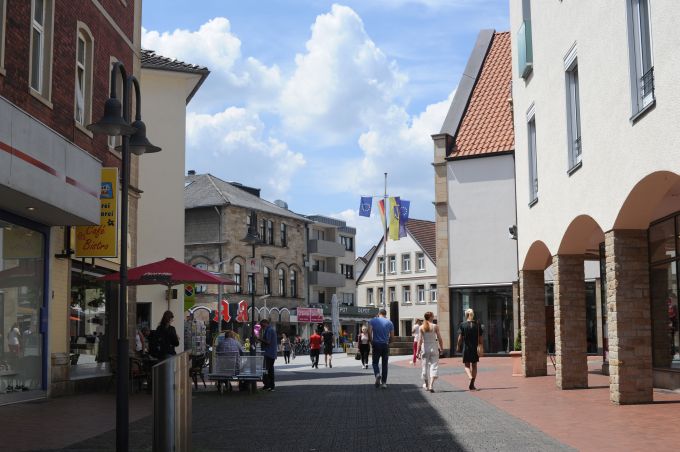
(487, 127)
(423, 232)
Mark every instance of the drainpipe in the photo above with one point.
(219, 238)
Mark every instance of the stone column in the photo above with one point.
(629, 326)
(571, 344)
(532, 313)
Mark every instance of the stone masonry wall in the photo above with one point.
(629, 322)
(570, 320)
(532, 314)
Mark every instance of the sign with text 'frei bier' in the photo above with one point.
(102, 240)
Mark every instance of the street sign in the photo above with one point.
(252, 265)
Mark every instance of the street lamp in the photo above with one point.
(252, 238)
(116, 121)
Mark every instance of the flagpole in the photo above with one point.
(384, 299)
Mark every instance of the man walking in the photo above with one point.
(314, 348)
(381, 334)
(327, 336)
(269, 350)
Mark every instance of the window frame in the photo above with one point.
(406, 259)
(369, 296)
(433, 293)
(347, 242)
(283, 234)
(238, 288)
(282, 282)
(381, 265)
(251, 283)
(392, 293)
(43, 91)
(573, 110)
(266, 281)
(641, 55)
(420, 290)
(3, 25)
(420, 258)
(88, 70)
(392, 263)
(293, 284)
(532, 153)
(406, 294)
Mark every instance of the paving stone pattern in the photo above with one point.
(340, 409)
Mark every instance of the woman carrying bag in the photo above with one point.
(470, 342)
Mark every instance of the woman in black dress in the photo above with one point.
(166, 336)
(469, 336)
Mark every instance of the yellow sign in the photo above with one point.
(102, 240)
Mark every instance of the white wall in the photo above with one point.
(161, 178)
(481, 209)
(400, 279)
(616, 153)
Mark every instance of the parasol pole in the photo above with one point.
(168, 295)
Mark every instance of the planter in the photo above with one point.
(516, 358)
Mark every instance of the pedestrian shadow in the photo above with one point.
(495, 389)
(664, 402)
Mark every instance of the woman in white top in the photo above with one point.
(364, 346)
(13, 339)
(429, 347)
(415, 333)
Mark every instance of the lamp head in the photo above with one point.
(139, 143)
(112, 123)
(252, 237)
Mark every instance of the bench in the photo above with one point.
(231, 366)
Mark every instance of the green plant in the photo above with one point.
(518, 342)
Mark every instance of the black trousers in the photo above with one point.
(314, 354)
(286, 356)
(364, 349)
(268, 379)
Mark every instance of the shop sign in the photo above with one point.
(102, 240)
(189, 295)
(242, 314)
(309, 315)
(252, 265)
(353, 311)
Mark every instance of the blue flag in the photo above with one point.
(404, 207)
(365, 206)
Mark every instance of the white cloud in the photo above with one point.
(369, 230)
(234, 80)
(234, 145)
(340, 82)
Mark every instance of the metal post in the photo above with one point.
(252, 311)
(172, 404)
(386, 207)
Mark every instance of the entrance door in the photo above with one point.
(408, 326)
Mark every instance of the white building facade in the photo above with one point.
(598, 179)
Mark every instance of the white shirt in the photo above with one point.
(14, 336)
(416, 332)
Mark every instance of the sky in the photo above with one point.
(313, 101)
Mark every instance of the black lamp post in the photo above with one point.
(116, 121)
(252, 238)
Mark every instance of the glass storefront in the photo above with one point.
(493, 308)
(663, 256)
(591, 317)
(22, 285)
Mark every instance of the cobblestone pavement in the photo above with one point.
(340, 409)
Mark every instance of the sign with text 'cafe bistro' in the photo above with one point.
(102, 240)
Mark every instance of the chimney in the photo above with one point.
(191, 172)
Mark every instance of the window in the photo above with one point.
(525, 57)
(381, 296)
(251, 283)
(282, 282)
(318, 265)
(263, 231)
(237, 278)
(348, 242)
(573, 109)
(433, 293)
(392, 292)
(201, 288)
(407, 294)
(405, 263)
(533, 167)
(348, 299)
(640, 51)
(318, 234)
(83, 90)
(347, 270)
(270, 232)
(393, 264)
(421, 293)
(267, 281)
(41, 47)
(293, 283)
(284, 237)
(381, 265)
(3, 11)
(420, 258)
(369, 296)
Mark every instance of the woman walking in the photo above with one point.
(429, 347)
(364, 346)
(469, 338)
(166, 335)
(285, 346)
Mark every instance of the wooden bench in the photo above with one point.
(231, 366)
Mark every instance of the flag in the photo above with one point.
(394, 218)
(365, 206)
(404, 207)
(381, 206)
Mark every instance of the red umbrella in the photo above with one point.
(168, 272)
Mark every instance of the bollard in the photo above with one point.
(172, 404)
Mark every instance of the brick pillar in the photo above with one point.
(629, 325)
(571, 358)
(532, 313)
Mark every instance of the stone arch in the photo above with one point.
(655, 196)
(238, 259)
(583, 237)
(282, 265)
(200, 259)
(537, 257)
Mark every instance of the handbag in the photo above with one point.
(480, 343)
(357, 356)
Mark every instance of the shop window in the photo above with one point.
(21, 299)
(88, 317)
(83, 88)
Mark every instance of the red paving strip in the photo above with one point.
(581, 418)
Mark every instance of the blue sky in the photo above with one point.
(313, 101)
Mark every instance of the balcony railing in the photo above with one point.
(326, 248)
(525, 50)
(326, 279)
